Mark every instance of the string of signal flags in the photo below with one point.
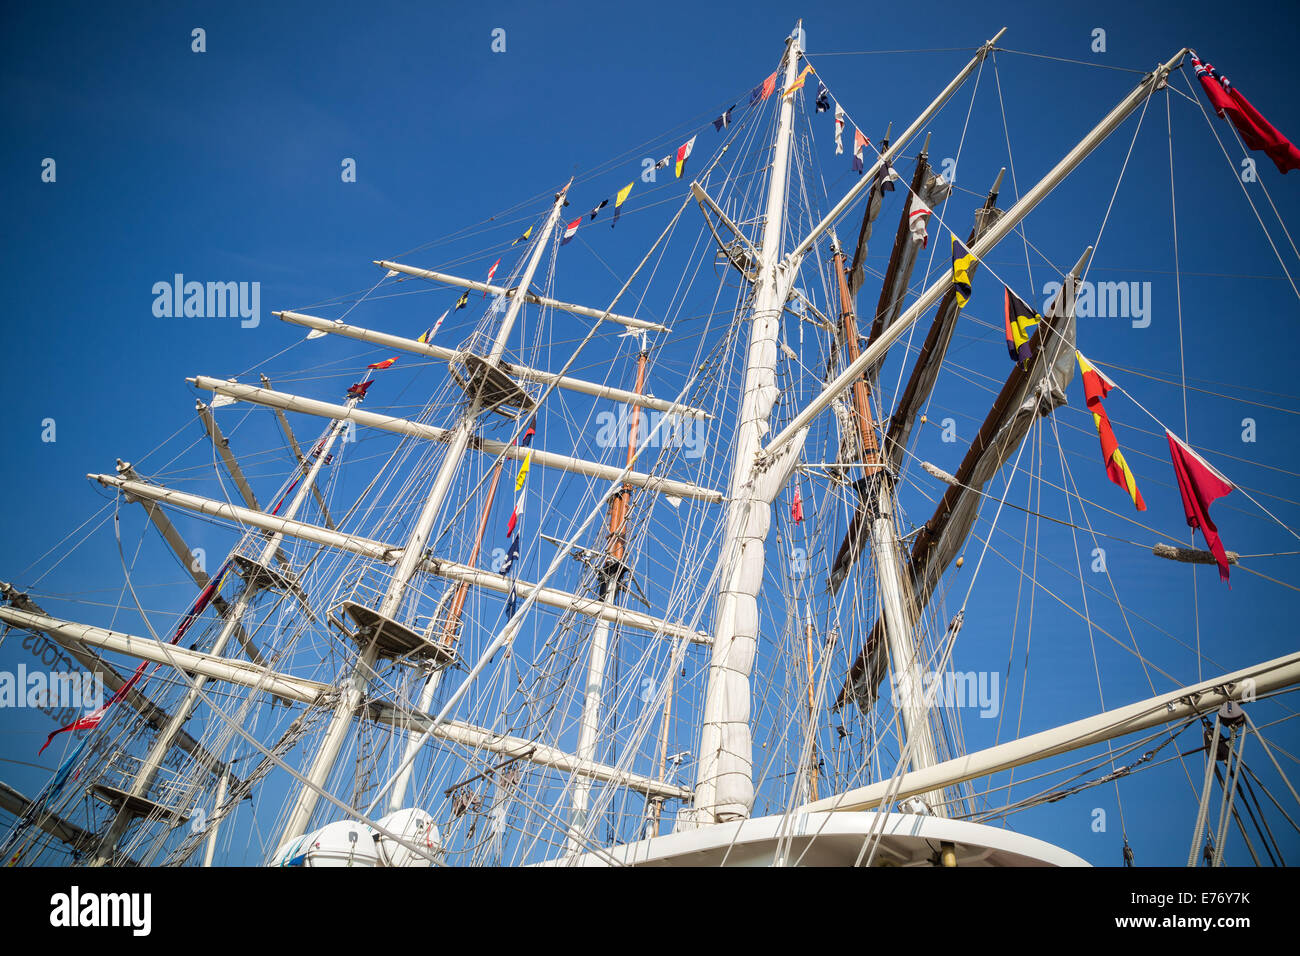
(1199, 482)
(1226, 99)
(678, 159)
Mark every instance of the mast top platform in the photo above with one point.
(393, 639)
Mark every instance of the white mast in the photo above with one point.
(412, 557)
(724, 787)
(897, 606)
(259, 576)
(904, 648)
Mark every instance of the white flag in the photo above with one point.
(839, 130)
(918, 216)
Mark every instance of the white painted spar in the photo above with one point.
(389, 553)
(521, 372)
(532, 297)
(306, 691)
(488, 446)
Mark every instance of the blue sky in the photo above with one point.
(225, 165)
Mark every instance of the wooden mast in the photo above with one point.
(612, 577)
(868, 442)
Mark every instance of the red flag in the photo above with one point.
(796, 508)
(386, 363)
(1256, 132)
(769, 86)
(93, 718)
(1200, 485)
(491, 273)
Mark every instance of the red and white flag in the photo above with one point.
(796, 508)
(859, 141)
(491, 273)
(918, 217)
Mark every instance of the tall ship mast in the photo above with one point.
(687, 576)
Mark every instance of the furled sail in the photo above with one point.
(1026, 394)
(924, 374)
(927, 191)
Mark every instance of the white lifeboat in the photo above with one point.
(349, 843)
(415, 826)
(343, 843)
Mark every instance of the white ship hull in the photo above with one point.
(833, 839)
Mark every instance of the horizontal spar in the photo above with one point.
(14, 802)
(115, 682)
(532, 297)
(258, 519)
(313, 692)
(551, 597)
(147, 649)
(380, 551)
(402, 426)
(520, 372)
(1201, 698)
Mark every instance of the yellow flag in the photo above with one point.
(962, 261)
(523, 472)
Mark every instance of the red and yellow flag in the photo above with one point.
(798, 83)
(1096, 386)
